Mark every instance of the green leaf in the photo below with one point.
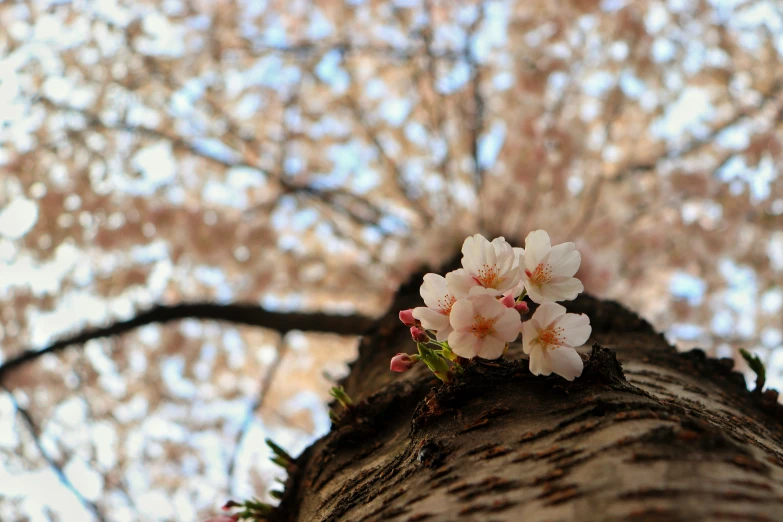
(757, 366)
(283, 463)
(342, 397)
(277, 450)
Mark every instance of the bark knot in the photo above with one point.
(603, 367)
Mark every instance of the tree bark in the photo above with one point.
(645, 434)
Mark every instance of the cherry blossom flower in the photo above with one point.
(487, 268)
(435, 316)
(402, 362)
(550, 337)
(548, 270)
(482, 326)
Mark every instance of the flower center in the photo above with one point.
(445, 304)
(551, 338)
(542, 274)
(487, 276)
(482, 326)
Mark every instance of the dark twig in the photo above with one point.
(237, 313)
(35, 433)
(257, 404)
(392, 165)
(706, 140)
(342, 200)
(477, 124)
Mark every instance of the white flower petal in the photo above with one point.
(561, 289)
(508, 281)
(566, 363)
(534, 293)
(519, 264)
(443, 334)
(508, 325)
(540, 363)
(504, 254)
(431, 319)
(576, 329)
(529, 334)
(565, 260)
(433, 290)
(537, 246)
(517, 290)
(547, 313)
(464, 344)
(487, 306)
(480, 290)
(459, 283)
(477, 251)
(490, 347)
(461, 317)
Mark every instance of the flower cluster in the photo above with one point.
(475, 311)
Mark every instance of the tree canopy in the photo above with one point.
(188, 171)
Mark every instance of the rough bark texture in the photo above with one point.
(646, 434)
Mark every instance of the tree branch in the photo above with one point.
(477, 124)
(237, 313)
(332, 197)
(257, 404)
(35, 433)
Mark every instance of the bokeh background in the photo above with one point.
(308, 156)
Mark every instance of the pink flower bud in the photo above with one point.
(402, 362)
(223, 518)
(521, 307)
(419, 335)
(406, 316)
(508, 300)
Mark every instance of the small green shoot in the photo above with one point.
(253, 510)
(278, 451)
(757, 366)
(338, 392)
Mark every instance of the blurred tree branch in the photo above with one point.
(246, 314)
(359, 209)
(256, 405)
(35, 433)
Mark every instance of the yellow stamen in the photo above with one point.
(542, 274)
(482, 326)
(487, 276)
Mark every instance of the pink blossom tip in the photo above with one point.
(508, 300)
(406, 316)
(402, 362)
(521, 307)
(230, 505)
(419, 335)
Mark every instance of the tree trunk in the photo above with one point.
(645, 434)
